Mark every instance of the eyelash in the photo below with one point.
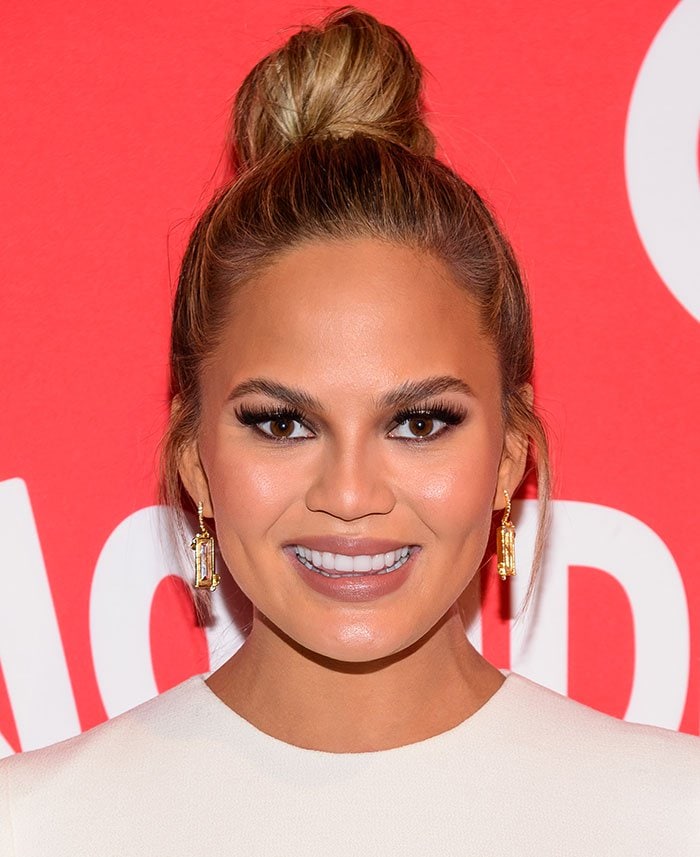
(442, 411)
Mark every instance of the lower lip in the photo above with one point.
(360, 587)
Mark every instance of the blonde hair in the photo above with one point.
(329, 141)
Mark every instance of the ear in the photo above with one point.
(514, 457)
(191, 469)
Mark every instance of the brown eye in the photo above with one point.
(423, 425)
(420, 426)
(281, 427)
(275, 424)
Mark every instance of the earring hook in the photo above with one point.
(506, 512)
(200, 515)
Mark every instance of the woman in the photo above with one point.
(351, 363)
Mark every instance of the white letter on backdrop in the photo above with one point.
(31, 649)
(661, 153)
(134, 560)
(586, 534)
(131, 564)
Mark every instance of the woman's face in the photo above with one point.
(351, 448)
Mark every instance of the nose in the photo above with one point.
(350, 483)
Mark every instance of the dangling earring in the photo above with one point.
(205, 577)
(505, 544)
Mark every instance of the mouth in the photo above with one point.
(337, 565)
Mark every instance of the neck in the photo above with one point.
(305, 699)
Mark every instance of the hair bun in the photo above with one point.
(349, 75)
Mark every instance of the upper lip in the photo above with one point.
(349, 546)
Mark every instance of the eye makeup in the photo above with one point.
(257, 416)
(440, 411)
(447, 413)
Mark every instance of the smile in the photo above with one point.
(342, 565)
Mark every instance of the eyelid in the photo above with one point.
(450, 414)
(253, 416)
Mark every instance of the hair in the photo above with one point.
(329, 142)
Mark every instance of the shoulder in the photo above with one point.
(128, 736)
(594, 783)
(570, 730)
(84, 788)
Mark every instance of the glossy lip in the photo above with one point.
(357, 587)
(349, 546)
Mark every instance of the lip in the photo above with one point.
(354, 587)
(348, 545)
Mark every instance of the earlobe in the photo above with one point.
(512, 468)
(516, 445)
(190, 468)
(194, 478)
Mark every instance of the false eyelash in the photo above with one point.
(443, 411)
(250, 416)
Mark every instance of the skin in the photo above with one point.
(347, 321)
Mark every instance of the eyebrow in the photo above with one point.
(410, 391)
(404, 394)
(292, 396)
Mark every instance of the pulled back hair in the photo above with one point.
(329, 141)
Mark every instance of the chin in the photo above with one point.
(356, 643)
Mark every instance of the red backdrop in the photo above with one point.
(113, 124)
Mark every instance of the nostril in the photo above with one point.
(348, 502)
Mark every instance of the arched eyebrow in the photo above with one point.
(412, 391)
(401, 396)
(292, 396)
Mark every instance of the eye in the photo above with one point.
(284, 428)
(426, 422)
(420, 425)
(275, 424)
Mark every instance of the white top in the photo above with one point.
(530, 773)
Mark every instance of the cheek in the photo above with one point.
(248, 498)
(245, 491)
(450, 489)
(458, 513)
(455, 492)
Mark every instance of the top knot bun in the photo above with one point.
(350, 75)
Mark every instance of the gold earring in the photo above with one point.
(205, 577)
(505, 544)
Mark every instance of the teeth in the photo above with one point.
(343, 563)
(360, 563)
(339, 565)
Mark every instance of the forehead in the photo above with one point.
(352, 315)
